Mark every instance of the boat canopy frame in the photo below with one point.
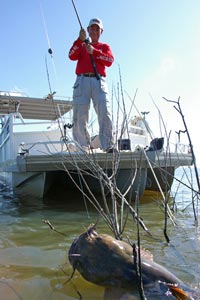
(34, 108)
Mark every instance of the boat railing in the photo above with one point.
(182, 148)
(137, 130)
(42, 137)
(43, 147)
(13, 94)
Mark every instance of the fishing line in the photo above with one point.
(48, 77)
(45, 28)
(51, 95)
(50, 51)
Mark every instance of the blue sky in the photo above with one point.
(156, 44)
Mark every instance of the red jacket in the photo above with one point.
(102, 56)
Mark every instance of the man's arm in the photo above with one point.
(104, 56)
(77, 45)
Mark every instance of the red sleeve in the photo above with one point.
(104, 56)
(75, 50)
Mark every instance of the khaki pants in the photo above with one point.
(85, 90)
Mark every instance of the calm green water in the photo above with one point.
(33, 258)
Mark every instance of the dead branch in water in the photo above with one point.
(137, 257)
(117, 199)
(177, 107)
(52, 227)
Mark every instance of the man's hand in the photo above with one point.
(89, 48)
(82, 34)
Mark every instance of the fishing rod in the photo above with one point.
(87, 42)
(77, 14)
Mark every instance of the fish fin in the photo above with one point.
(178, 292)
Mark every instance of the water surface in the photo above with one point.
(33, 258)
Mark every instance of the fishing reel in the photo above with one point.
(87, 41)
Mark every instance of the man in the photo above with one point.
(92, 59)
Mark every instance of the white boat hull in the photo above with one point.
(28, 184)
(45, 184)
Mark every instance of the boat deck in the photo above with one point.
(72, 161)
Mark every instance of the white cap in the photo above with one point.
(97, 22)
